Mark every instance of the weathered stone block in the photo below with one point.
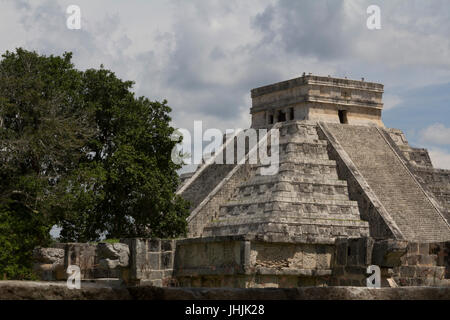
(157, 283)
(324, 260)
(439, 272)
(45, 272)
(113, 255)
(167, 245)
(83, 255)
(358, 283)
(338, 271)
(387, 253)
(407, 271)
(425, 272)
(341, 252)
(154, 245)
(413, 248)
(155, 275)
(168, 273)
(166, 260)
(154, 261)
(48, 255)
(309, 258)
(424, 248)
(427, 260)
(355, 270)
(412, 259)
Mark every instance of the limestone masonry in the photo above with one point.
(349, 193)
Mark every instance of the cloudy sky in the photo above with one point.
(204, 56)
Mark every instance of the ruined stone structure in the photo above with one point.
(342, 175)
(348, 193)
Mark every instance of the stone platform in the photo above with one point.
(29, 290)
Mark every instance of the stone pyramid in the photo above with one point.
(341, 173)
(305, 200)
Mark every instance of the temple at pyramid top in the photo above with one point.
(318, 98)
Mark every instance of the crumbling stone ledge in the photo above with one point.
(30, 290)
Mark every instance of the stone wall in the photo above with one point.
(318, 98)
(32, 290)
(252, 262)
(434, 181)
(83, 255)
(425, 264)
(415, 156)
(48, 263)
(151, 261)
(353, 256)
(99, 260)
(442, 252)
(438, 182)
(247, 262)
(203, 262)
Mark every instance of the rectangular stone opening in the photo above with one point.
(343, 116)
(281, 116)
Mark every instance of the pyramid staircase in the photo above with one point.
(394, 185)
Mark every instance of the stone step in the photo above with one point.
(304, 150)
(318, 180)
(391, 182)
(298, 129)
(299, 194)
(301, 205)
(299, 140)
(297, 188)
(291, 195)
(291, 200)
(288, 216)
(303, 161)
(309, 230)
(286, 159)
(304, 157)
(305, 170)
(294, 220)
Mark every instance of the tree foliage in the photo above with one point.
(79, 150)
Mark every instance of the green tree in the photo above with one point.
(21, 229)
(128, 181)
(79, 150)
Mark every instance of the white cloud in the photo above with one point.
(205, 56)
(435, 134)
(440, 158)
(432, 136)
(391, 101)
